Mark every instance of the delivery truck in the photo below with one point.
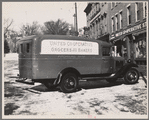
(59, 60)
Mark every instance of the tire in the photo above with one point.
(49, 85)
(69, 83)
(111, 80)
(132, 76)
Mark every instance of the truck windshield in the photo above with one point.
(106, 51)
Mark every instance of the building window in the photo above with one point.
(137, 12)
(98, 7)
(96, 25)
(128, 16)
(93, 29)
(116, 22)
(113, 4)
(112, 24)
(121, 20)
(96, 30)
(116, 4)
(144, 9)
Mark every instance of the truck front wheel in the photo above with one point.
(69, 83)
(131, 76)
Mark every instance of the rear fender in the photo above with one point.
(65, 71)
(124, 69)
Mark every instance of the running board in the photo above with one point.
(93, 78)
(99, 78)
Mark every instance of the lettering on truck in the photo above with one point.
(68, 47)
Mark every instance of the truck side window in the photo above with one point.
(21, 49)
(106, 51)
(27, 47)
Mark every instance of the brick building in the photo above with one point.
(128, 30)
(98, 20)
(123, 24)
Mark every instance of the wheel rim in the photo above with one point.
(69, 83)
(132, 76)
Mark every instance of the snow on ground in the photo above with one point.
(95, 99)
(11, 56)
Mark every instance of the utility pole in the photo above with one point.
(26, 17)
(75, 20)
(26, 24)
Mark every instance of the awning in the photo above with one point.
(138, 33)
(122, 37)
(118, 38)
(103, 36)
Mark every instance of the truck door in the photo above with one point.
(107, 60)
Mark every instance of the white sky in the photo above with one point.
(22, 12)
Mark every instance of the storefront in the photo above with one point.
(140, 48)
(131, 43)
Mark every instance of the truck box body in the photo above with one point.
(44, 56)
(57, 60)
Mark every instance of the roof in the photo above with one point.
(66, 37)
(88, 8)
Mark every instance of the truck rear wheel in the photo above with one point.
(69, 83)
(132, 76)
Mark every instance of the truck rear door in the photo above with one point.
(25, 59)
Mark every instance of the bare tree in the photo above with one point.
(30, 29)
(7, 23)
(58, 27)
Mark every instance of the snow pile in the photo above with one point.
(11, 56)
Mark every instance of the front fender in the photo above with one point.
(63, 72)
(124, 69)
